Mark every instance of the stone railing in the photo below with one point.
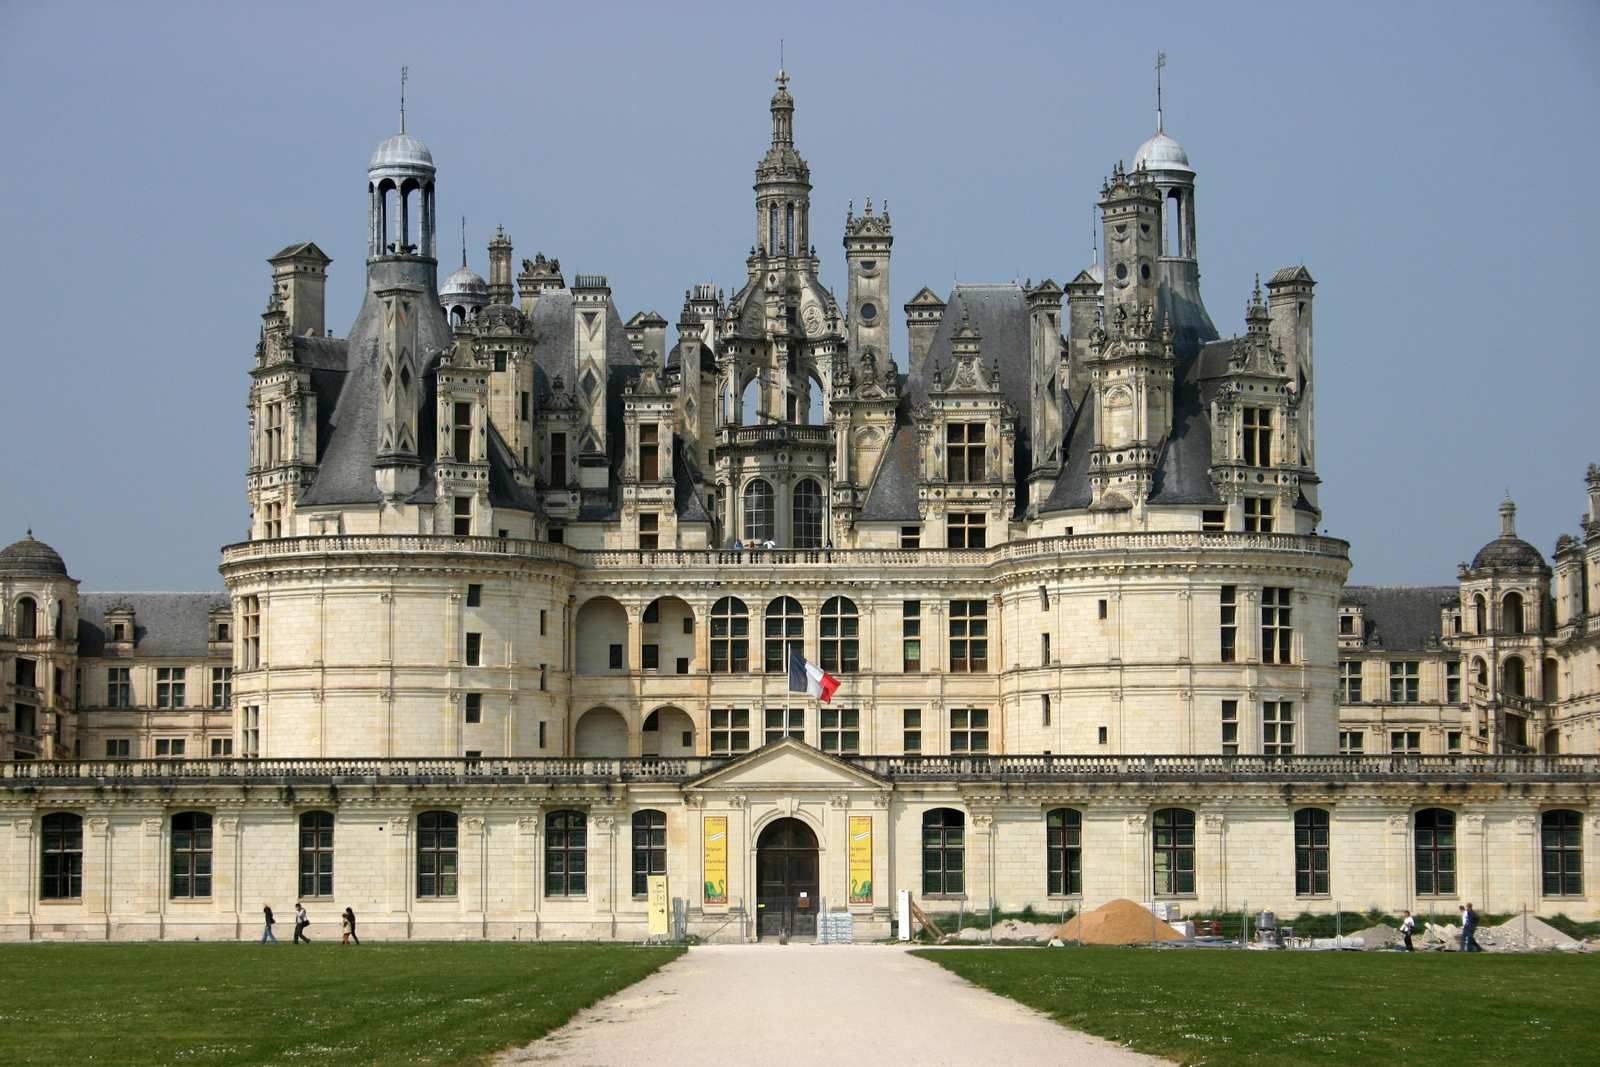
(777, 434)
(28, 774)
(384, 544)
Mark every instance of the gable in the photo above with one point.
(787, 764)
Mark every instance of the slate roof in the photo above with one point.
(893, 494)
(1401, 617)
(686, 479)
(164, 624)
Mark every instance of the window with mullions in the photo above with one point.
(964, 452)
(1311, 852)
(1229, 623)
(785, 628)
(758, 512)
(785, 722)
(807, 514)
(649, 848)
(1351, 742)
(1561, 851)
(1452, 682)
(316, 854)
(191, 855)
(943, 852)
(437, 855)
(1172, 842)
(1258, 514)
(911, 731)
(969, 636)
(1258, 437)
(1405, 684)
(119, 687)
(566, 854)
(965, 529)
(840, 731)
(1277, 628)
(840, 636)
(170, 684)
(1277, 727)
(1063, 829)
(911, 636)
(730, 731)
(1230, 727)
(1435, 843)
(221, 686)
(969, 730)
(730, 636)
(61, 856)
(1349, 681)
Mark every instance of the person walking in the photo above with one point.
(1469, 929)
(1408, 926)
(301, 921)
(349, 923)
(266, 931)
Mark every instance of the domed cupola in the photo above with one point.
(1162, 153)
(1508, 553)
(30, 558)
(463, 295)
(400, 177)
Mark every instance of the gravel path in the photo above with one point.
(808, 1004)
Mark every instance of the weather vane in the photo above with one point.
(1161, 61)
(404, 73)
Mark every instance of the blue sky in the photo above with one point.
(1430, 163)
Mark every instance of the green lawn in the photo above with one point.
(1221, 1007)
(324, 1004)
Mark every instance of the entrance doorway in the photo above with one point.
(786, 880)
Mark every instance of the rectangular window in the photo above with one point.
(1213, 520)
(1277, 727)
(272, 526)
(1044, 650)
(785, 722)
(274, 434)
(730, 731)
(558, 460)
(250, 732)
(614, 662)
(964, 452)
(911, 636)
(1405, 742)
(910, 537)
(173, 747)
(474, 595)
(965, 529)
(1258, 513)
(500, 361)
(1064, 852)
(969, 730)
(1452, 682)
(543, 622)
(969, 636)
(841, 731)
(1277, 628)
(118, 747)
(221, 747)
(1351, 742)
(649, 452)
(1101, 736)
(1044, 709)
(1230, 623)
(462, 437)
(1258, 437)
(463, 516)
(27, 674)
(543, 676)
(119, 688)
(649, 531)
(1349, 681)
(474, 707)
(1347, 625)
(1405, 682)
(541, 733)
(911, 731)
(650, 657)
(250, 615)
(1452, 742)
(221, 686)
(522, 408)
(1311, 877)
(170, 685)
(474, 650)
(1230, 728)
(1044, 598)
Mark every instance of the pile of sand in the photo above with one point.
(1119, 922)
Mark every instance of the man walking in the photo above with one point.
(1469, 929)
(301, 921)
(266, 931)
(1408, 926)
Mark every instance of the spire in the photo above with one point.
(1508, 517)
(782, 112)
(1161, 61)
(404, 73)
(463, 240)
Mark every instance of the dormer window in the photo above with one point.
(1347, 625)
(119, 632)
(964, 452)
(1258, 437)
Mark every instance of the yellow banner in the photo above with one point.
(861, 859)
(659, 926)
(716, 862)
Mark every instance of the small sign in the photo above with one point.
(660, 906)
(804, 901)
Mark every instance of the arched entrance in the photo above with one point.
(787, 896)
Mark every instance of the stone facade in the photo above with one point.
(519, 572)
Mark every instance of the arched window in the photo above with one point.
(758, 511)
(61, 857)
(27, 617)
(649, 848)
(1512, 619)
(807, 514)
(840, 636)
(1436, 852)
(730, 636)
(1172, 839)
(1549, 688)
(438, 858)
(1480, 612)
(1561, 845)
(788, 229)
(785, 631)
(1063, 842)
(943, 852)
(316, 854)
(1480, 672)
(1515, 677)
(566, 854)
(191, 855)
(772, 229)
(1311, 852)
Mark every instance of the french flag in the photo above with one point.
(808, 678)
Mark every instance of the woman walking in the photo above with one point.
(348, 922)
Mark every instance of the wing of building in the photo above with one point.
(1062, 553)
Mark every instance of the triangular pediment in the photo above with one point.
(787, 764)
(925, 297)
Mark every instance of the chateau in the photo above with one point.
(511, 629)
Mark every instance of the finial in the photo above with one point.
(405, 72)
(463, 241)
(783, 76)
(1508, 516)
(1256, 296)
(30, 533)
(1161, 61)
(1094, 237)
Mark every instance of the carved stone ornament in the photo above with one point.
(1472, 823)
(1134, 823)
(228, 824)
(604, 823)
(399, 823)
(1215, 822)
(1397, 824)
(21, 826)
(982, 820)
(98, 825)
(737, 800)
(1524, 824)
(839, 800)
(474, 824)
(152, 826)
(527, 824)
